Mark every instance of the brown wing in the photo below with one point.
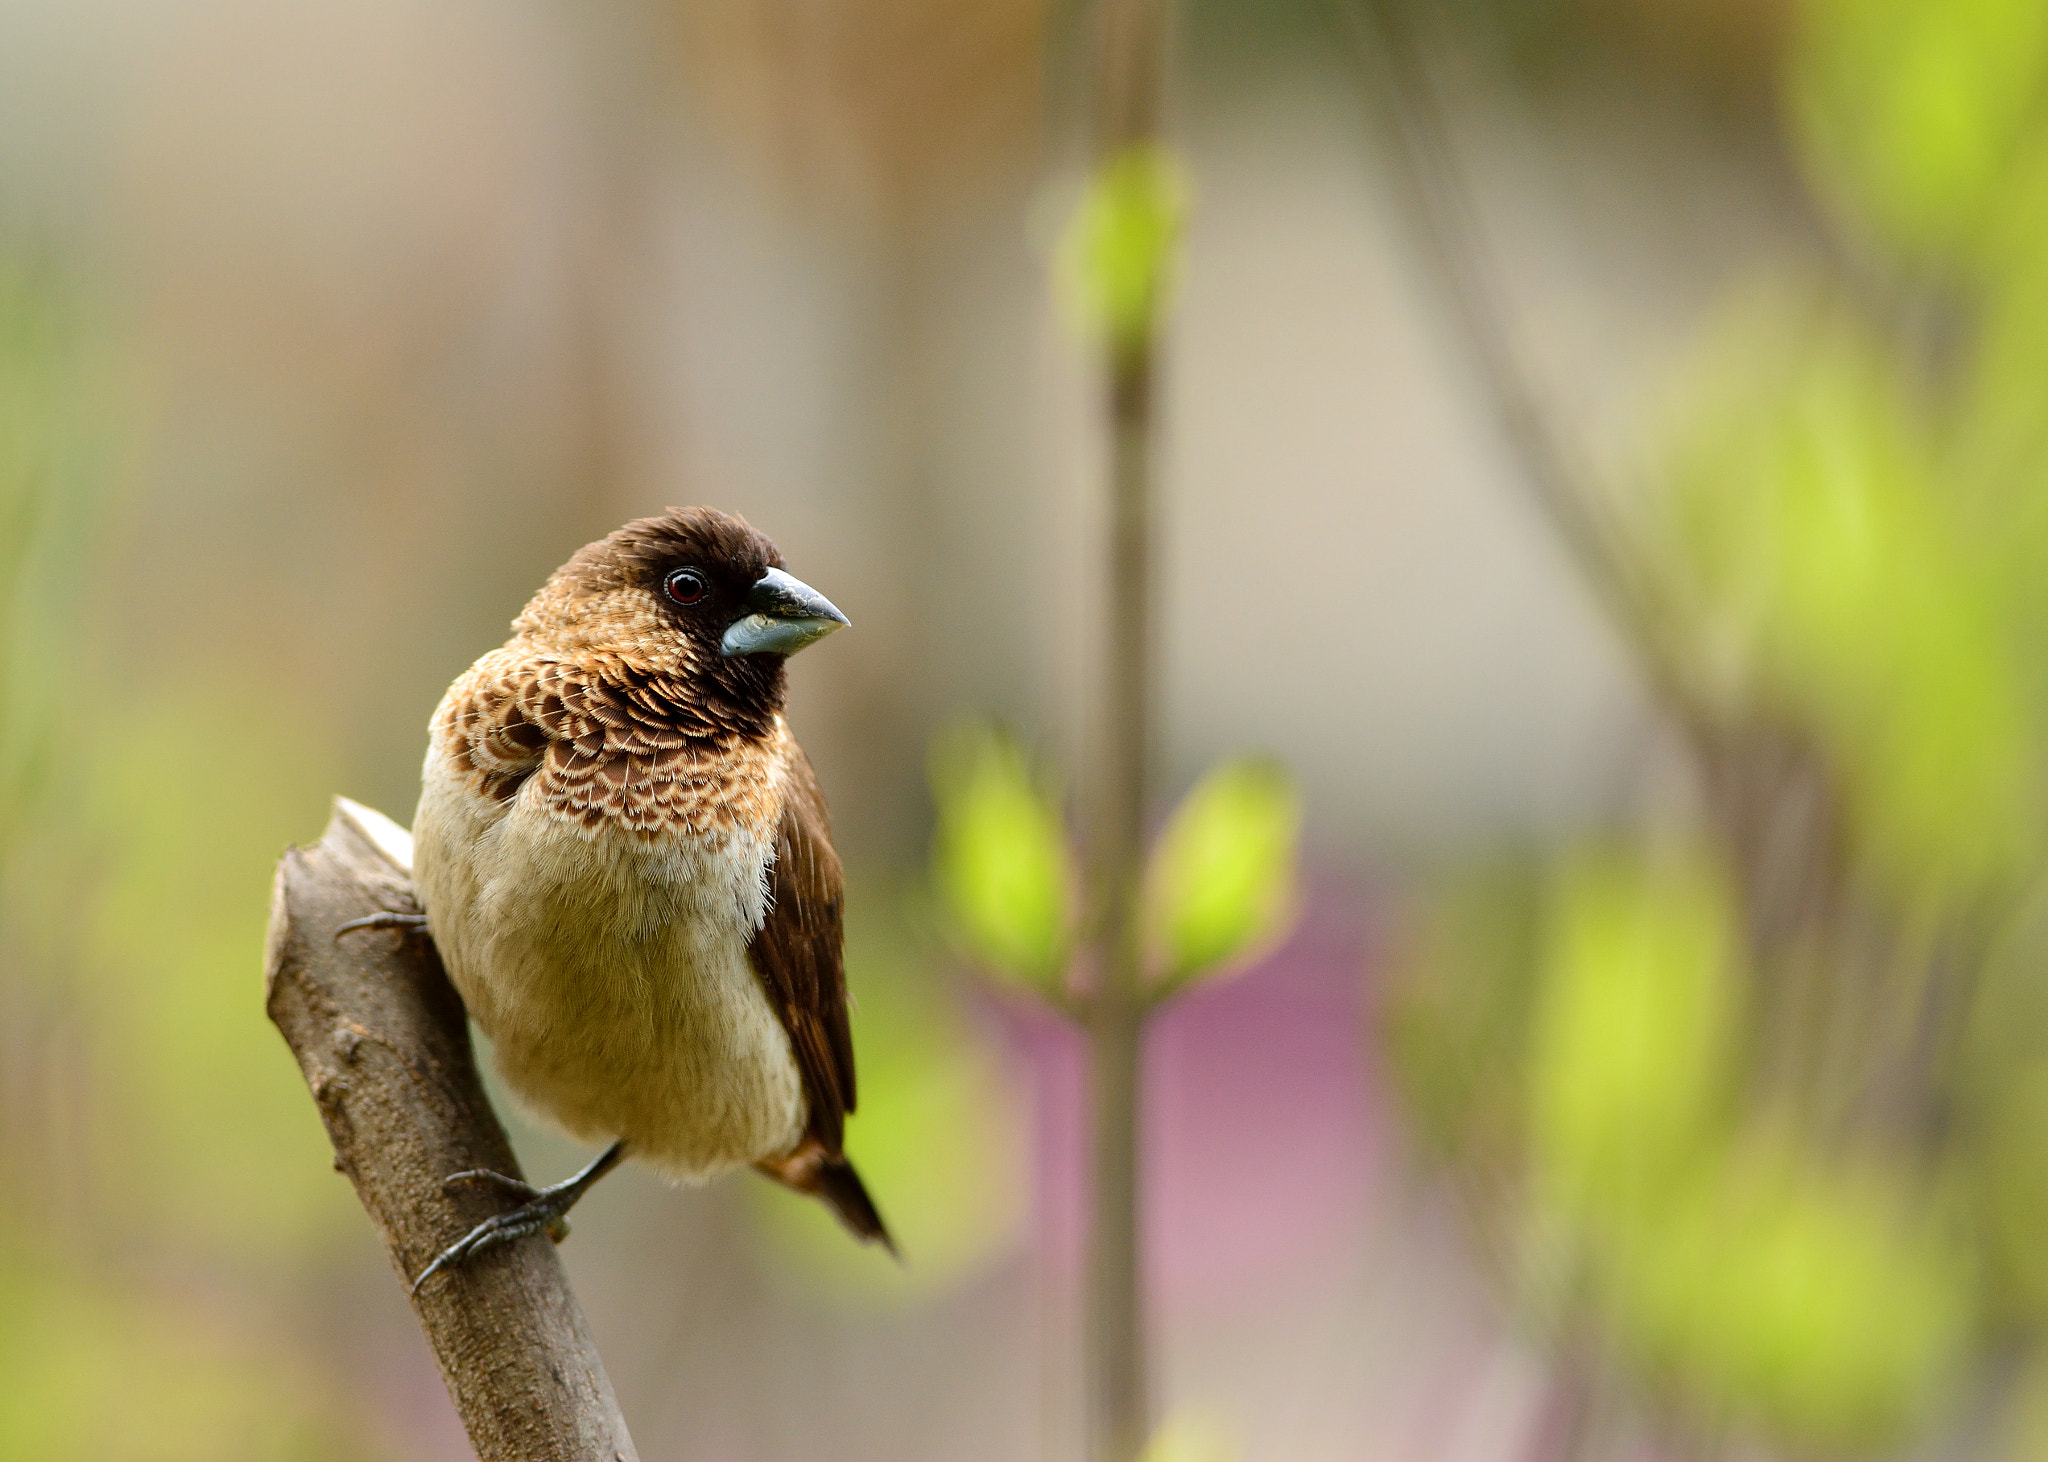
(798, 956)
(798, 953)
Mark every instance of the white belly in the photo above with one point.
(611, 975)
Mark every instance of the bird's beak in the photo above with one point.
(787, 614)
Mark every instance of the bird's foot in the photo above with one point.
(411, 923)
(541, 1211)
(521, 1189)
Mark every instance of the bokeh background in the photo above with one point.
(1659, 1067)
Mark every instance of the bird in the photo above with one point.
(625, 860)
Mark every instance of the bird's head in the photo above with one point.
(694, 594)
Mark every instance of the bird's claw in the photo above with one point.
(541, 1211)
(540, 1216)
(517, 1187)
(410, 923)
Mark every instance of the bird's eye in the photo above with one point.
(685, 586)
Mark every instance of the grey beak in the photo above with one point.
(786, 614)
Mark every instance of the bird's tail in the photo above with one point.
(830, 1177)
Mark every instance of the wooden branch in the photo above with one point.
(384, 1044)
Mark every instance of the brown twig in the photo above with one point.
(1435, 202)
(1437, 206)
(1119, 1404)
(1131, 63)
(384, 1044)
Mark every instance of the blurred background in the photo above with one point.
(1659, 1066)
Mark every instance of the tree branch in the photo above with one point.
(384, 1044)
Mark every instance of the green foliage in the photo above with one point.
(1819, 580)
(1118, 258)
(1743, 1275)
(1000, 858)
(1845, 552)
(1749, 1277)
(1636, 1002)
(2012, 1169)
(1220, 886)
(1912, 117)
(1796, 1297)
(2001, 1117)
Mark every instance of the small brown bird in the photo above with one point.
(624, 857)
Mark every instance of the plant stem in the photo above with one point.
(1431, 192)
(1130, 69)
(1437, 204)
(1119, 1420)
(1118, 1408)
